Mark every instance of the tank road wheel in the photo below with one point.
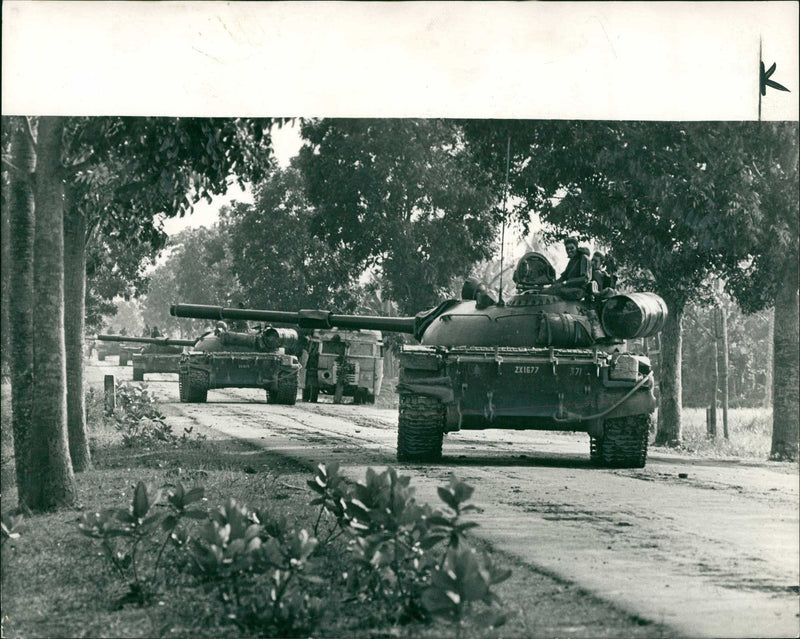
(284, 391)
(138, 375)
(193, 386)
(624, 442)
(420, 428)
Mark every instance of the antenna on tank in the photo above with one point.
(500, 301)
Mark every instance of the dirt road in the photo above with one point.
(706, 546)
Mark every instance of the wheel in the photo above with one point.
(138, 375)
(420, 428)
(285, 390)
(623, 444)
(196, 386)
(358, 395)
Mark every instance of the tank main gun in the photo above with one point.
(310, 319)
(164, 341)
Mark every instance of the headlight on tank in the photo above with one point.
(626, 368)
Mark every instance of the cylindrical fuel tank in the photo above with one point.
(275, 338)
(632, 315)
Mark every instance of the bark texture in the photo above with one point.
(669, 431)
(54, 480)
(786, 381)
(20, 308)
(74, 328)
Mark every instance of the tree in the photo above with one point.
(669, 199)
(765, 267)
(54, 483)
(274, 256)
(22, 164)
(128, 170)
(404, 196)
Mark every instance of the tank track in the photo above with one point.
(193, 386)
(285, 391)
(420, 428)
(138, 375)
(624, 442)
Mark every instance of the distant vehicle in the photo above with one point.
(344, 363)
(158, 355)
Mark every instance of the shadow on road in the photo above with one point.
(546, 460)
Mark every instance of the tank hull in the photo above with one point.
(276, 373)
(583, 390)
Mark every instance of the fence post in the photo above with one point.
(110, 389)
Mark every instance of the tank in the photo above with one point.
(538, 361)
(343, 363)
(156, 355)
(222, 358)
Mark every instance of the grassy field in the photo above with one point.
(56, 582)
(749, 433)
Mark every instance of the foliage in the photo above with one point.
(198, 270)
(403, 195)
(748, 352)
(279, 263)
(667, 198)
(138, 417)
(136, 526)
(393, 542)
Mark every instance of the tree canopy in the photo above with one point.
(403, 195)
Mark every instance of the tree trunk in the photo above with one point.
(20, 302)
(725, 392)
(769, 359)
(669, 411)
(74, 326)
(55, 482)
(5, 287)
(786, 349)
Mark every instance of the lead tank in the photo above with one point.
(538, 361)
(223, 358)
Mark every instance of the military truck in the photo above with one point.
(538, 361)
(343, 363)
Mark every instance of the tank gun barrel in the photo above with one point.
(146, 340)
(303, 319)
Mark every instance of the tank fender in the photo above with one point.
(437, 387)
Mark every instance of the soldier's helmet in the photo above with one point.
(533, 271)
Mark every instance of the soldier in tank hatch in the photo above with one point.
(572, 283)
(600, 276)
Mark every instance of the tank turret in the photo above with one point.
(542, 360)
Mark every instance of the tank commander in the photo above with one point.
(572, 283)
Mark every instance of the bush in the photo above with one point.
(408, 560)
